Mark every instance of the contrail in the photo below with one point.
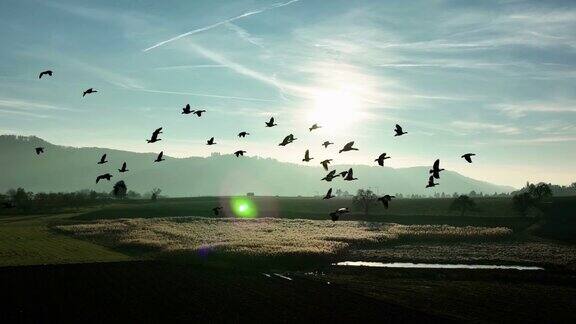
(244, 15)
(183, 93)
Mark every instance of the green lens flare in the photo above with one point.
(243, 207)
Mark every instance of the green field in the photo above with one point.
(198, 266)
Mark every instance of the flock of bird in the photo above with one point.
(347, 175)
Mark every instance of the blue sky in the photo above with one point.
(492, 77)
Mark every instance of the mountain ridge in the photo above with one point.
(67, 168)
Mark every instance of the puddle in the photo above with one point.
(434, 266)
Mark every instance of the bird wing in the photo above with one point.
(468, 158)
(398, 128)
(436, 164)
(307, 154)
(160, 155)
(329, 193)
(103, 158)
(331, 173)
(124, 165)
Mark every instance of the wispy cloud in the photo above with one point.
(522, 109)
(185, 93)
(473, 126)
(229, 20)
(23, 104)
(189, 67)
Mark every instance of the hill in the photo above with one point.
(69, 168)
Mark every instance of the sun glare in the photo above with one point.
(335, 109)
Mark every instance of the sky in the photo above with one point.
(496, 78)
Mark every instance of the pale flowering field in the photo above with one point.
(267, 236)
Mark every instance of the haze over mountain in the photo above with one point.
(68, 169)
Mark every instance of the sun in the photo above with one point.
(335, 109)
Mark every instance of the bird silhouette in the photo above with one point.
(315, 126)
(198, 112)
(210, 141)
(385, 200)
(307, 157)
(154, 138)
(381, 159)
(287, 140)
(106, 176)
(123, 169)
(350, 176)
(325, 163)
(102, 159)
(216, 210)
(329, 194)
(468, 157)
(343, 174)
(47, 72)
(331, 175)
(239, 153)
(8, 205)
(399, 131)
(270, 123)
(431, 182)
(88, 91)
(39, 150)
(243, 134)
(186, 110)
(335, 215)
(348, 147)
(159, 157)
(326, 143)
(435, 171)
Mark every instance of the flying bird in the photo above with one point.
(123, 169)
(335, 215)
(325, 144)
(307, 157)
(381, 159)
(39, 150)
(343, 174)
(385, 200)
(271, 122)
(348, 147)
(468, 157)
(350, 176)
(216, 210)
(331, 175)
(186, 110)
(198, 112)
(431, 182)
(47, 72)
(88, 91)
(287, 140)
(106, 176)
(435, 171)
(210, 141)
(102, 159)
(325, 164)
(154, 138)
(239, 153)
(159, 157)
(399, 131)
(243, 134)
(329, 194)
(315, 126)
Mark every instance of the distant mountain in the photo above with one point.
(68, 169)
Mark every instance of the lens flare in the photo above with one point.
(243, 207)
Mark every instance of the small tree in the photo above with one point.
(120, 190)
(364, 199)
(522, 202)
(155, 194)
(463, 203)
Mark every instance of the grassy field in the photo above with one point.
(297, 207)
(267, 236)
(28, 240)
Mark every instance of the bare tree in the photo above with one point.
(364, 199)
